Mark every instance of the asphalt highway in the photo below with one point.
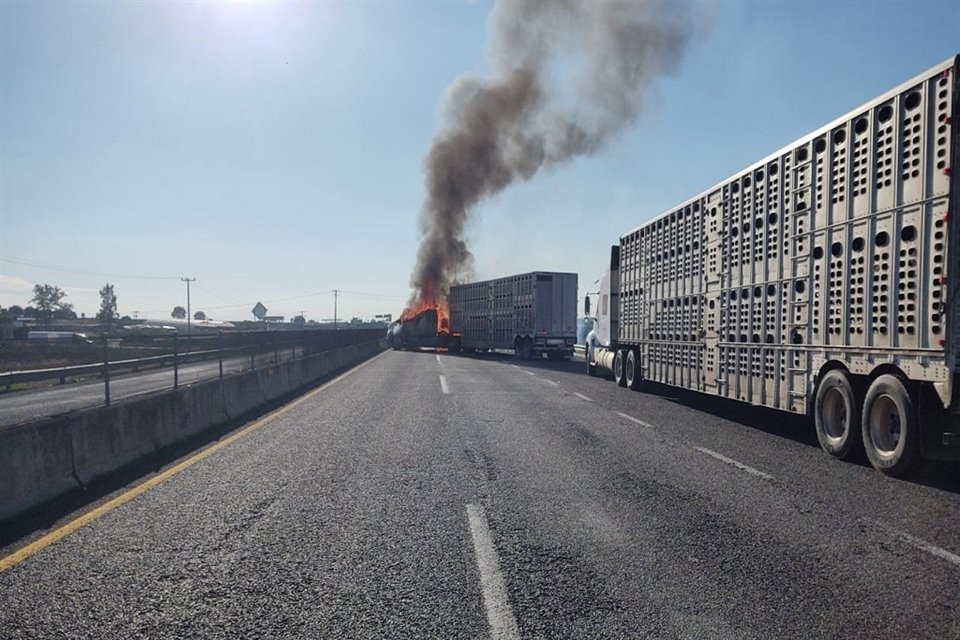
(423, 495)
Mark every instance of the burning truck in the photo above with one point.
(532, 314)
(426, 327)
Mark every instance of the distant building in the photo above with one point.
(273, 318)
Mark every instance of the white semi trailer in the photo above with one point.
(532, 314)
(823, 279)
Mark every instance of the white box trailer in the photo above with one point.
(824, 279)
(531, 314)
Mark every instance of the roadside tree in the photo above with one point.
(108, 306)
(50, 304)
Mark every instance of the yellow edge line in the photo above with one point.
(58, 534)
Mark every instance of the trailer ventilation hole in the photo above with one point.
(817, 253)
(771, 289)
(908, 234)
(836, 249)
(820, 145)
(839, 136)
(883, 239)
(885, 113)
(758, 175)
(772, 219)
(801, 154)
(912, 101)
(857, 244)
(860, 126)
(799, 286)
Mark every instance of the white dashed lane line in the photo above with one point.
(503, 624)
(635, 420)
(738, 465)
(443, 385)
(923, 545)
(550, 382)
(582, 397)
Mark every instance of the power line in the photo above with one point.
(50, 267)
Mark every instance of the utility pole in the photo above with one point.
(336, 292)
(188, 281)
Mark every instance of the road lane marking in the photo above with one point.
(556, 384)
(529, 373)
(580, 395)
(438, 359)
(738, 465)
(919, 543)
(443, 385)
(503, 625)
(635, 420)
(58, 534)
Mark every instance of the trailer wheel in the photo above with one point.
(618, 369)
(891, 433)
(836, 415)
(632, 372)
(528, 351)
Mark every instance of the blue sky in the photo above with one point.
(274, 151)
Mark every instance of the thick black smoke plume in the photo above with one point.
(568, 76)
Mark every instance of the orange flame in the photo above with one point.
(425, 301)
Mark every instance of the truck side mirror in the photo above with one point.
(586, 305)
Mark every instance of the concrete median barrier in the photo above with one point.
(44, 460)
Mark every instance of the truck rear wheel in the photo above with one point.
(836, 415)
(891, 433)
(632, 372)
(618, 366)
(528, 351)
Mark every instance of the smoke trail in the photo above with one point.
(568, 76)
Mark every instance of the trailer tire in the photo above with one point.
(836, 415)
(618, 366)
(632, 370)
(526, 347)
(891, 432)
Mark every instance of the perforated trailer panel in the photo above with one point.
(492, 314)
(837, 247)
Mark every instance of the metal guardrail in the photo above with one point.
(11, 378)
(275, 343)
